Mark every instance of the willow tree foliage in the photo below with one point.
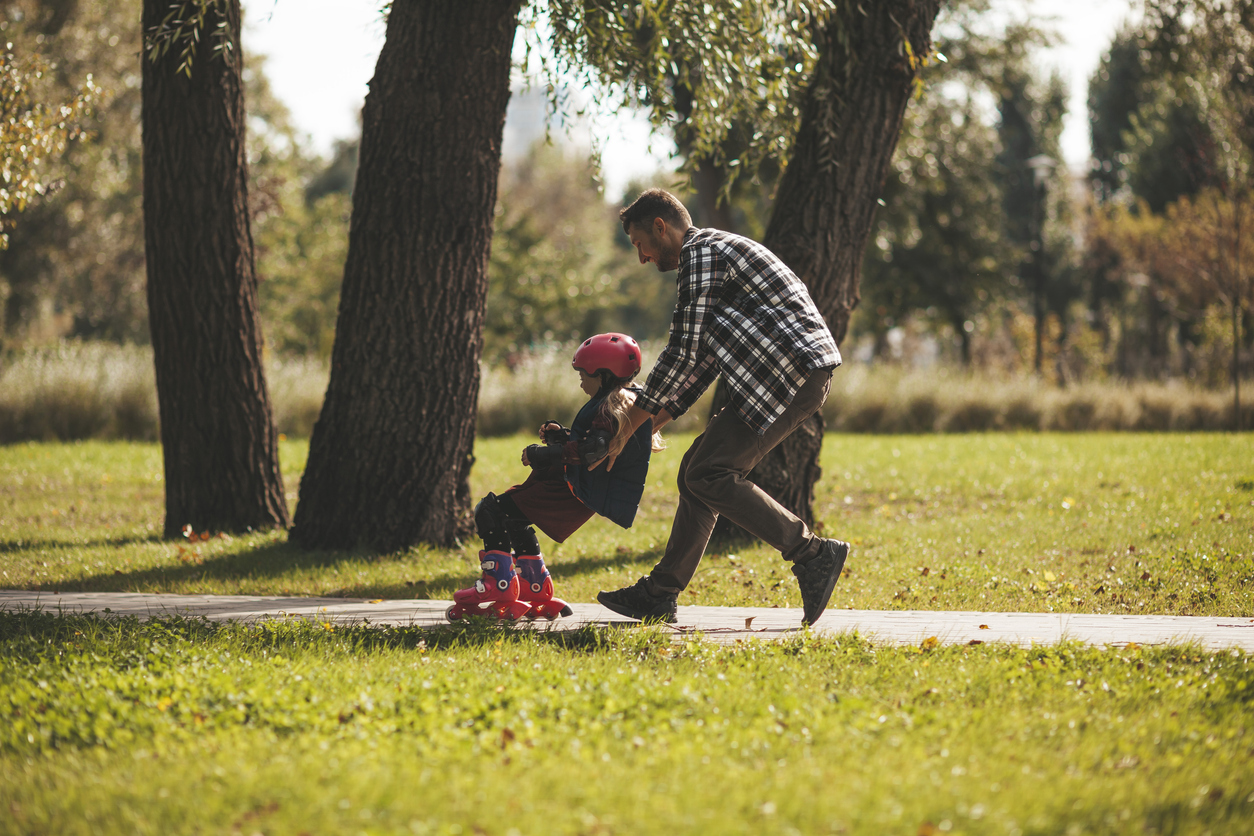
(699, 69)
(33, 133)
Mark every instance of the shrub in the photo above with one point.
(970, 415)
(921, 413)
(1157, 409)
(1072, 412)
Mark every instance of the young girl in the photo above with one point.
(562, 493)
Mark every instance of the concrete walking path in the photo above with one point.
(722, 624)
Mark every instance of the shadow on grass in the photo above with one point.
(279, 558)
(15, 546)
(27, 633)
(588, 564)
(267, 560)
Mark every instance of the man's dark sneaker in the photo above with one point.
(638, 602)
(817, 578)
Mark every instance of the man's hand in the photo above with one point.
(635, 419)
(661, 420)
(593, 447)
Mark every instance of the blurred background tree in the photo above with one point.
(947, 279)
(561, 269)
(74, 266)
(300, 206)
(32, 133)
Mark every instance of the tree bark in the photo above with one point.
(827, 197)
(390, 455)
(217, 430)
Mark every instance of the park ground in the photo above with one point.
(179, 725)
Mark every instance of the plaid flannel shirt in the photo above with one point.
(741, 313)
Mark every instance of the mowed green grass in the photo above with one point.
(1111, 523)
(182, 726)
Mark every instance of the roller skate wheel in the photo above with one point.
(453, 613)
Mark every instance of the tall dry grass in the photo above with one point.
(94, 390)
(99, 390)
(890, 400)
(78, 390)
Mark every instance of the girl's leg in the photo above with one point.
(496, 592)
(535, 582)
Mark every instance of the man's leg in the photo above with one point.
(690, 531)
(713, 480)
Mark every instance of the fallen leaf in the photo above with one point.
(376, 601)
(975, 641)
(749, 621)
(984, 627)
(930, 642)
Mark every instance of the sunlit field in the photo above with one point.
(113, 726)
(1112, 523)
(181, 726)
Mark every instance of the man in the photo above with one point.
(743, 314)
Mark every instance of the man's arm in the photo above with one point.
(701, 275)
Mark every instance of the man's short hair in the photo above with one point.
(655, 203)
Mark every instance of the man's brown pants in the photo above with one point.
(712, 481)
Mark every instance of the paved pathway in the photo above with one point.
(724, 624)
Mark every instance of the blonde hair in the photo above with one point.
(614, 408)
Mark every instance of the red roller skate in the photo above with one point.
(494, 595)
(536, 589)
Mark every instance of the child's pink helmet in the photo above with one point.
(617, 354)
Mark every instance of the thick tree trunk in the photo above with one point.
(708, 181)
(391, 453)
(217, 431)
(827, 197)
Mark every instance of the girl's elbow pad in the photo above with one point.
(594, 447)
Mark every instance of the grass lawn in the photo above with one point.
(1113, 523)
(181, 726)
(177, 725)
